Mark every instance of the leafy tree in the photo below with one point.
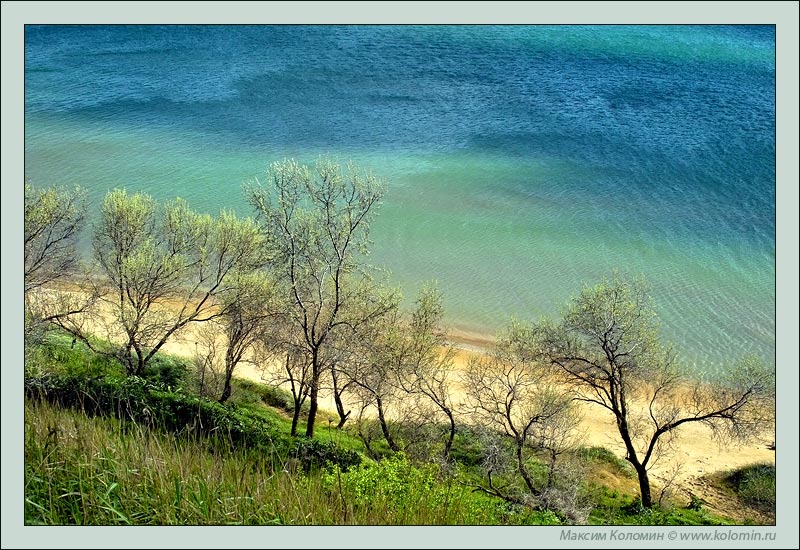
(165, 267)
(318, 219)
(607, 347)
(251, 313)
(53, 220)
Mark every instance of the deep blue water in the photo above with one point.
(521, 161)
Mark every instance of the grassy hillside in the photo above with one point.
(102, 448)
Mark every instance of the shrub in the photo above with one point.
(167, 370)
(313, 453)
(155, 404)
(755, 485)
(601, 455)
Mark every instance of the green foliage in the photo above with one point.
(313, 453)
(755, 485)
(617, 509)
(168, 370)
(601, 455)
(401, 492)
(58, 355)
(279, 398)
(154, 404)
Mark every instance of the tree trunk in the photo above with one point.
(641, 470)
(385, 428)
(313, 395)
(337, 398)
(521, 467)
(644, 485)
(226, 391)
(449, 443)
(295, 416)
(551, 469)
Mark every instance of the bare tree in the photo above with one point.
(608, 349)
(319, 221)
(430, 358)
(510, 390)
(165, 268)
(251, 312)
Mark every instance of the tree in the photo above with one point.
(510, 389)
(54, 218)
(250, 313)
(318, 220)
(286, 362)
(607, 347)
(374, 373)
(430, 358)
(165, 268)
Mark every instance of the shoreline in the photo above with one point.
(694, 453)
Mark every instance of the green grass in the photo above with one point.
(615, 508)
(105, 471)
(104, 448)
(754, 485)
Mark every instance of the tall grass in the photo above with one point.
(103, 448)
(755, 485)
(105, 471)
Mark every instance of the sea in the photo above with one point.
(521, 162)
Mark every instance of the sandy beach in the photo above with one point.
(694, 455)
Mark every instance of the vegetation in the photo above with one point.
(754, 485)
(164, 267)
(510, 393)
(318, 221)
(102, 447)
(53, 220)
(608, 349)
(119, 432)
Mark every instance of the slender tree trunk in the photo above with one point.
(313, 395)
(337, 398)
(449, 443)
(521, 467)
(551, 469)
(226, 391)
(384, 427)
(644, 485)
(296, 415)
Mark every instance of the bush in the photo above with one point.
(154, 404)
(279, 398)
(167, 370)
(755, 485)
(601, 455)
(313, 453)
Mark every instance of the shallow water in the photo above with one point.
(521, 162)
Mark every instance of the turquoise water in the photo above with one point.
(521, 161)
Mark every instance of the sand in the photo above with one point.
(695, 454)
